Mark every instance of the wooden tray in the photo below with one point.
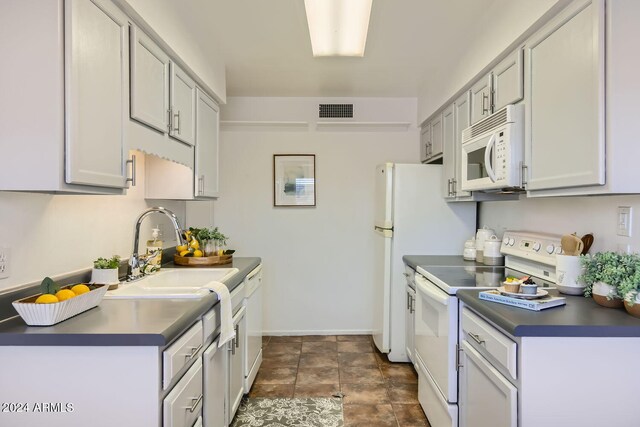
(204, 261)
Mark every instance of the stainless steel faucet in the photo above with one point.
(137, 262)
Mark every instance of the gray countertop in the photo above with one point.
(580, 317)
(143, 322)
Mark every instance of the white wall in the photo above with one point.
(55, 234)
(503, 22)
(597, 215)
(318, 261)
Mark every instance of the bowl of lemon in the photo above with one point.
(56, 303)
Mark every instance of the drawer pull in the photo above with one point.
(196, 402)
(476, 338)
(194, 351)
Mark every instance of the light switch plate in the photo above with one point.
(623, 227)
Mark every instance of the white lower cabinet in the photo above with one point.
(214, 362)
(486, 397)
(183, 405)
(236, 367)
(410, 325)
(253, 336)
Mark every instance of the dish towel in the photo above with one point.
(227, 331)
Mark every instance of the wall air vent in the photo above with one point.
(335, 111)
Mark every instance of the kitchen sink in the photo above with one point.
(172, 283)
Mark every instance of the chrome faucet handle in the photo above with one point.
(134, 267)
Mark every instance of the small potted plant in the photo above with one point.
(603, 273)
(630, 287)
(105, 271)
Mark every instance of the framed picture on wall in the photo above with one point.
(294, 180)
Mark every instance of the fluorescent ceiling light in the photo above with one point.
(338, 27)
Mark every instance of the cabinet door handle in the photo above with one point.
(176, 126)
(233, 346)
(196, 401)
(169, 115)
(485, 105)
(523, 174)
(408, 301)
(132, 162)
(202, 183)
(194, 351)
(413, 305)
(454, 190)
(476, 338)
(238, 331)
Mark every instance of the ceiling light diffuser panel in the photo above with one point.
(338, 27)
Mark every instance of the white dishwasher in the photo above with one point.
(253, 340)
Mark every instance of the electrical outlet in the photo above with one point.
(5, 262)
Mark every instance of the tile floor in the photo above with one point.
(376, 391)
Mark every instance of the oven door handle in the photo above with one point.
(424, 288)
(487, 158)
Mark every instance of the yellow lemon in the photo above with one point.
(184, 253)
(46, 299)
(220, 252)
(194, 244)
(181, 248)
(65, 294)
(197, 252)
(80, 289)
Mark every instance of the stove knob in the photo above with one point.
(536, 246)
(550, 249)
(511, 241)
(558, 249)
(505, 241)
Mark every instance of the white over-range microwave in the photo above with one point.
(492, 151)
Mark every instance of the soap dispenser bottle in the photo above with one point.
(154, 244)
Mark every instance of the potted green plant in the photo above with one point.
(603, 274)
(211, 239)
(105, 271)
(630, 287)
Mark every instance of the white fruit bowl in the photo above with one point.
(49, 314)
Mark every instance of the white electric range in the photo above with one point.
(436, 316)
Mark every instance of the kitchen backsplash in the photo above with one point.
(54, 234)
(597, 215)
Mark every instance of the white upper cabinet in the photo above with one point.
(462, 107)
(96, 93)
(565, 132)
(508, 80)
(425, 142)
(73, 138)
(436, 137)
(206, 161)
(183, 104)
(481, 99)
(149, 82)
(448, 152)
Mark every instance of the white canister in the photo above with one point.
(482, 234)
(492, 247)
(568, 269)
(469, 252)
(492, 255)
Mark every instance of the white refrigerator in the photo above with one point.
(411, 218)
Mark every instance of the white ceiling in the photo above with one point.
(265, 45)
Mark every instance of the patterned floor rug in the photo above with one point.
(310, 412)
